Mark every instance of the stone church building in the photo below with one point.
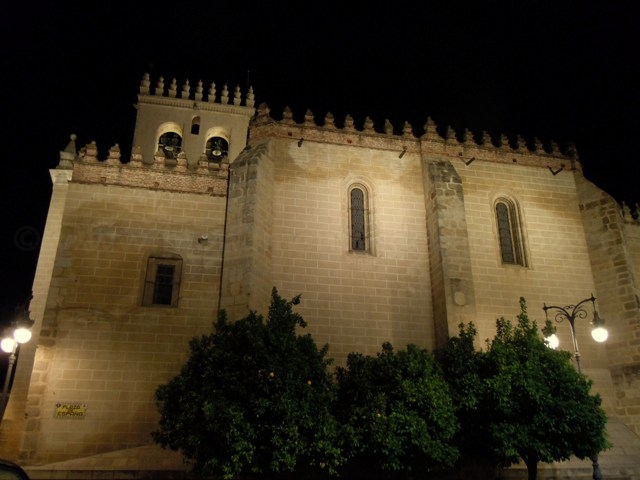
(387, 236)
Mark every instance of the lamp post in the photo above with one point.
(599, 334)
(21, 333)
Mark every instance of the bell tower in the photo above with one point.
(208, 127)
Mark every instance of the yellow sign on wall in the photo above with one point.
(70, 410)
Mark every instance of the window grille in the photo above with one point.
(162, 281)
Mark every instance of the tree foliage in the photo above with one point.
(253, 399)
(465, 371)
(396, 412)
(256, 399)
(530, 403)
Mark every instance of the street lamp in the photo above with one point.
(599, 334)
(21, 333)
(570, 313)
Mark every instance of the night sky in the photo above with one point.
(562, 71)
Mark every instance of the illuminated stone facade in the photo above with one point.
(387, 237)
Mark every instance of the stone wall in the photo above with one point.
(247, 277)
(98, 346)
(353, 300)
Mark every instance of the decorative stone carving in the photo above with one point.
(173, 88)
(91, 152)
(538, 146)
(407, 130)
(262, 115)
(198, 94)
(186, 89)
(309, 118)
(486, 139)
(144, 84)
(159, 87)
(329, 121)
(450, 135)
(250, 98)
(348, 124)
(467, 138)
(287, 116)
(388, 127)
(212, 93)
(114, 155)
(224, 98)
(431, 130)
(368, 125)
(68, 155)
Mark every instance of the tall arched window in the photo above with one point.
(359, 219)
(510, 237)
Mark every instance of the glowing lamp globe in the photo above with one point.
(552, 341)
(22, 335)
(7, 344)
(600, 334)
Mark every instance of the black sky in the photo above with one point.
(563, 71)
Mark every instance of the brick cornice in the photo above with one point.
(152, 178)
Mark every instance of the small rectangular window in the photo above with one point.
(162, 281)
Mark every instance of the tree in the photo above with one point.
(533, 405)
(254, 398)
(464, 369)
(396, 412)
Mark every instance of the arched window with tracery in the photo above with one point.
(510, 235)
(359, 225)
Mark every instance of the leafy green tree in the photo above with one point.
(397, 414)
(464, 368)
(253, 399)
(532, 404)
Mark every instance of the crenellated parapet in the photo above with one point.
(186, 95)
(466, 146)
(263, 127)
(155, 173)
